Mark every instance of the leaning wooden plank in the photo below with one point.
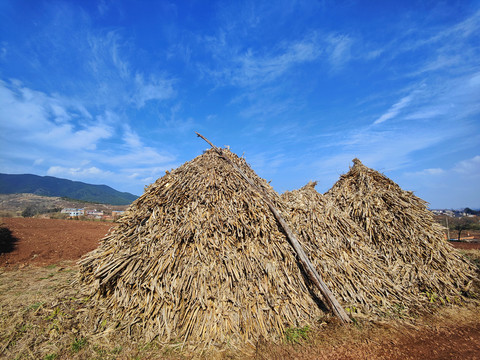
(302, 257)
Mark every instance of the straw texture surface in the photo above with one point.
(200, 259)
(339, 249)
(402, 229)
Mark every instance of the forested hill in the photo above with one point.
(52, 186)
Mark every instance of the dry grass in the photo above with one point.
(199, 267)
(417, 338)
(42, 316)
(199, 260)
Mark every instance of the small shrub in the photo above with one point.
(29, 212)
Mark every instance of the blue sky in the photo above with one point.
(111, 92)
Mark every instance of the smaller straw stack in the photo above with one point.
(401, 228)
(340, 251)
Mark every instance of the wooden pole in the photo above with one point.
(302, 256)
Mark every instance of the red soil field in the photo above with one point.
(49, 241)
(465, 245)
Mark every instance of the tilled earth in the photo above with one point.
(48, 241)
(30, 244)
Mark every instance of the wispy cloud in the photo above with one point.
(394, 109)
(428, 172)
(469, 167)
(428, 117)
(44, 119)
(254, 68)
(79, 173)
(36, 128)
(155, 88)
(339, 49)
(117, 80)
(438, 183)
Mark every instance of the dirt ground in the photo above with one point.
(30, 279)
(466, 245)
(30, 241)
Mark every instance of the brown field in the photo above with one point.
(40, 312)
(49, 241)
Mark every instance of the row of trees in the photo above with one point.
(469, 211)
(31, 211)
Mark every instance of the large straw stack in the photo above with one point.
(403, 231)
(339, 250)
(200, 259)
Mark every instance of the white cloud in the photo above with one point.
(79, 173)
(373, 54)
(474, 81)
(470, 167)
(131, 138)
(77, 147)
(442, 61)
(113, 77)
(44, 120)
(155, 88)
(102, 7)
(255, 67)
(144, 155)
(428, 172)
(394, 110)
(427, 113)
(455, 187)
(340, 46)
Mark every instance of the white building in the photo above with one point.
(73, 212)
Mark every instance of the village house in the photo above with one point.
(94, 213)
(73, 212)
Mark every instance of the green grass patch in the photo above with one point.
(78, 344)
(36, 305)
(296, 335)
(48, 276)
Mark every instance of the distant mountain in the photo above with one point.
(52, 186)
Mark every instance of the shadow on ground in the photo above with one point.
(7, 240)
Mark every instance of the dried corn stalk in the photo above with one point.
(400, 227)
(339, 250)
(200, 259)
